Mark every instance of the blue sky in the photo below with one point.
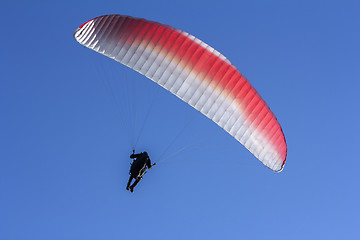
(64, 149)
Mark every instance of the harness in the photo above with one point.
(141, 173)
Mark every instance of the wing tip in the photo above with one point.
(282, 165)
(78, 32)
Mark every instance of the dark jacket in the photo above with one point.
(138, 167)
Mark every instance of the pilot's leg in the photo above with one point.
(129, 182)
(137, 180)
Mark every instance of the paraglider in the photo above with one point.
(138, 168)
(196, 73)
